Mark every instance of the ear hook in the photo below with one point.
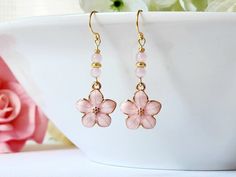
(137, 19)
(141, 39)
(97, 38)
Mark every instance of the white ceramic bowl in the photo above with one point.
(191, 70)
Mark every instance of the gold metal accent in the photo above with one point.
(96, 65)
(141, 38)
(97, 51)
(140, 86)
(96, 85)
(141, 64)
(141, 49)
(97, 38)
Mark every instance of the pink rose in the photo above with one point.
(20, 118)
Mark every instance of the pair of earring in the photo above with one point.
(140, 111)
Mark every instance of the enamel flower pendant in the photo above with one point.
(96, 109)
(140, 111)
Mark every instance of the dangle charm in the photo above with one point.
(140, 110)
(96, 109)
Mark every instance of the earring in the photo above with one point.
(140, 110)
(96, 109)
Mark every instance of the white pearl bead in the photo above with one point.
(140, 72)
(141, 56)
(95, 72)
(96, 57)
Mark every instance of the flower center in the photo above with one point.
(96, 110)
(117, 5)
(5, 108)
(3, 101)
(141, 111)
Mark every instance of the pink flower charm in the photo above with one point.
(96, 109)
(141, 111)
(20, 118)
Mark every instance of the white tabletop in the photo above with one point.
(72, 163)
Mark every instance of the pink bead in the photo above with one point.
(141, 56)
(95, 72)
(96, 57)
(140, 72)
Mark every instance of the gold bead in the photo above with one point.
(97, 51)
(140, 86)
(96, 85)
(96, 65)
(141, 64)
(141, 49)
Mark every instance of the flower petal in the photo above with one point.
(15, 104)
(89, 120)
(107, 106)
(96, 98)
(41, 125)
(100, 6)
(152, 107)
(221, 6)
(6, 127)
(83, 106)
(148, 122)
(134, 6)
(14, 146)
(140, 99)
(129, 108)
(133, 122)
(18, 89)
(103, 120)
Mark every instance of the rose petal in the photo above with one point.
(133, 121)
(18, 89)
(152, 107)
(4, 148)
(95, 98)
(140, 99)
(89, 120)
(41, 125)
(4, 101)
(15, 103)
(103, 120)
(15, 146)
(84, 106)
(24, 125)
(5, 111)
(129, 108)
(6, 127)
(148, 122)
(107, 106)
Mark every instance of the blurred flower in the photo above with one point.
(221, 6)
(20, 118)
(193, 5)
(146, 5)
(159, 5)
(112, 5)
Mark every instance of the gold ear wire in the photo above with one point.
(97, 38)
(141, 39)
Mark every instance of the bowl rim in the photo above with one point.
(107, 18)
